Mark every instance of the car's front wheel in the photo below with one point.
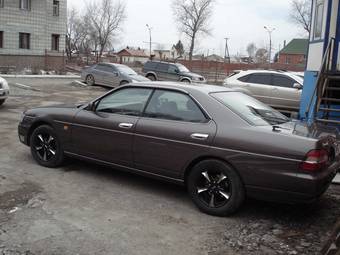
(46, 147)
(215, 187)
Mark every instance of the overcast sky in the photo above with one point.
(240, 20)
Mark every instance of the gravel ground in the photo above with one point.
(83, 208)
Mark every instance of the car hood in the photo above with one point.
(51, 109)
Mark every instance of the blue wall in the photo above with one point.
(307, 94)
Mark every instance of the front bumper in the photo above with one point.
(4, 93)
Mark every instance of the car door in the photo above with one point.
(97, 73)
(259, 85)
(110, 76)
(173, 73)
(162, 71)
(285, 96)
(106, 132)
(171, 133)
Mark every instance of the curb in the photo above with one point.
(41, 76)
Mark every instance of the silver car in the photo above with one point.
(4, 90)
(281, 90)
(110, 74)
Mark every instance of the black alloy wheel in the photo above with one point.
(215, 188)
(46, 147)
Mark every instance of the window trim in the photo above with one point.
(203, 111)
(2, 39)
(317, 4)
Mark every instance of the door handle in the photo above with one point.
(125, 125)
(198, 136)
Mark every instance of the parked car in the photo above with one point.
(281, 90)
(222, 144)
(4, 90)
(164, 71)
(109, 74)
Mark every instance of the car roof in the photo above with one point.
(188, 88)
(111, 64)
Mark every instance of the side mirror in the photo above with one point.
(297, 86)
(176, 71)
(91, 107)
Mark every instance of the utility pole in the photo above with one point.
(226, 51)
(150, 46)
(270, 31)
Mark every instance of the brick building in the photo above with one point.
(294, 53)
(32, 33)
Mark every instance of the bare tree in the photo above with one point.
(106, 19)
(261, 56)
(251, 49)
(301, 13)
(193, 18)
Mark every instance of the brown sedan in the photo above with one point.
(223, 145)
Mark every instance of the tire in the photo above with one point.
(123, 83)
(2, 101)
(215, 188)
(46, 147)
(90, 81)
(151, 77)
(186, 81)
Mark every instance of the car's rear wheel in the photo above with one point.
(2, 101)
(151, 77)
(123, 83)
(46, 147)
(215, 188)
(90, 81)
(186, 81)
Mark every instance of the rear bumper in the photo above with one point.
(310, 188)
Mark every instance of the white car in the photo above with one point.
(4, 90)
(281, 90)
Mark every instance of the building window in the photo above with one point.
(1, 39)
(55, 8)
(2, 3)
(318, 19)
(55, 42)
(288, 60)
(25, 4)
(24, 41)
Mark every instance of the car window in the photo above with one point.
(173, 69)
(129, 101)
(282, 81)
(174, 106)
(243, 78)
(250, 109)
(162, 67)
(260, 79)
(105, 68)
(151, 65)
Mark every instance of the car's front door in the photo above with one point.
(172, 131)
(285, 96)
(259, 84)
(173, 73)
(110, 76)
(106, 132)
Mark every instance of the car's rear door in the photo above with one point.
(98, 73)
(162, 71)
(172, 131)
(259, 84)
(107, 132)
(285, 96)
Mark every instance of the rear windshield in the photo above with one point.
(250, 109)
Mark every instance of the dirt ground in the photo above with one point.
(83, 208)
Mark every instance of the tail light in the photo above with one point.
(315, 160)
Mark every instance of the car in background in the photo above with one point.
(4, 90)
(281, 90)
(109, 74)
(223, 145)
(164, 71)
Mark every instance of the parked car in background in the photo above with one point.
(281, 90)
(222, 144)
(164, 71)
(4, 90)
(109, 74)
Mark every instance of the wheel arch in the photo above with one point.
(34, 126)
(208, 157)
(151, 74)
(185, 79)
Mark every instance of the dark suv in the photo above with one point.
(163, 71)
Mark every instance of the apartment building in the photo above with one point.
(32, 33)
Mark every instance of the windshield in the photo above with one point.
(126, 70)
(182, 68)
(250, 109)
